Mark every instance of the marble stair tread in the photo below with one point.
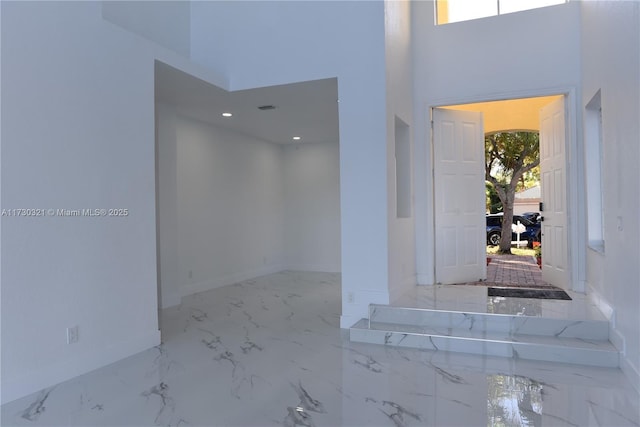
(495, 336)
(530, 347)
(489, 322)
(475, 299)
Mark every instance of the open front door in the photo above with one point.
(459, 196)
(554, 194)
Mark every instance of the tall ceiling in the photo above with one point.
(306, 109)
(509, 115)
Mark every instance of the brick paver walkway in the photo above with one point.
(513, 271)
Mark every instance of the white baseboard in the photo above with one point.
(347, 321)
(617, 339)
(320, 268)
(424, 280)
(610, 314)
(406, 285)
(81, 363)
(170, 300)
(207, 285)
(359, 307)
(410, 281)
(631, 372)
(600, 302)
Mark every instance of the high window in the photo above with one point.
(448, 11)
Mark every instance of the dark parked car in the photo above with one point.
(494, 229)
(531, 216)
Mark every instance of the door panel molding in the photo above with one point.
(459, 207)
(576, 227)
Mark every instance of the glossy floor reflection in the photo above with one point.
(474, 299)
(269, 352)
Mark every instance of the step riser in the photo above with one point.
(486, 322)
(526, 351)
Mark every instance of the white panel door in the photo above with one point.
(459, 196)
(554, 194)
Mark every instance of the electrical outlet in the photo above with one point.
(350, 298)
(190, 274)
(72, 335)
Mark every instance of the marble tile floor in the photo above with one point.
(474, 299)
(269, 352)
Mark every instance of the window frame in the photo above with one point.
(441, 14)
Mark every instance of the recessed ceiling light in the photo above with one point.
(227, 114)
(297, 138)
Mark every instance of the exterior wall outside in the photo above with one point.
(611, 64)
(527, 201)
(526, 205)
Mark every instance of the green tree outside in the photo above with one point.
(511, 160)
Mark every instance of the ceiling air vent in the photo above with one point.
(267, 107)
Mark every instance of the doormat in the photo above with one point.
(529, 293)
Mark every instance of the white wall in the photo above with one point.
(221, 206)
(283, 42)
(485, 59)
(312, 207)
(1, 205)
(167, 23)
(232, 207)
(611, 63)
(399, 97)
(77, 132)
(167, 206)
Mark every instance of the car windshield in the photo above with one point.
(497, 220)
(523, 220)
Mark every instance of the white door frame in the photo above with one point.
(576, 221)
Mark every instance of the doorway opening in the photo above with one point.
(241, 180)
(459, 171)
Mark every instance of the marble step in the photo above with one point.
(588, 329)
(488, 343)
